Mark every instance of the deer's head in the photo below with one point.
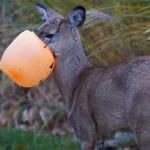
(60, 33)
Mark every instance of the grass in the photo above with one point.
(13, 139)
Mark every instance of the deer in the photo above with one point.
(108, 107)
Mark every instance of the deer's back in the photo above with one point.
(112, 96)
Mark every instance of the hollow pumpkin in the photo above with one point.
(27, 61)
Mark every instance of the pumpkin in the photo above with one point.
(27, 61)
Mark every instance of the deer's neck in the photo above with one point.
(68, 68)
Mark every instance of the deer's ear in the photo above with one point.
(76, 17)
(42, 10)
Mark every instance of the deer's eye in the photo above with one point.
(50, 36)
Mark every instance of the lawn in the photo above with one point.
(13, 139)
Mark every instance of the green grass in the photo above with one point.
(13, 139)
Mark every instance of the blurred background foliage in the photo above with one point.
(42, 109)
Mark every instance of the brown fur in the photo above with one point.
(101, 101)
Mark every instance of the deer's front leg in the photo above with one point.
(87, 145)
(84, 129)
(85, 136)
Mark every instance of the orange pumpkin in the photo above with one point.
(27, 61)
